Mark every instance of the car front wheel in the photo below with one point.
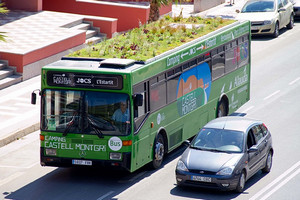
(291, 24)
(276, 30)
(241, 184)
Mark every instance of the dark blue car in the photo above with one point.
(225, 154)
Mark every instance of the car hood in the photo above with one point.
(209, 161)
(259, 16)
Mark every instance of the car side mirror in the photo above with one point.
(138, 100)
(252, 149)
(186, 143)
(281, 10)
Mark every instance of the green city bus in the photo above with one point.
(125, 114)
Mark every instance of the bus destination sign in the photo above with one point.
(83, 80)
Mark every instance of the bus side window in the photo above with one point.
(140, 111)
(243, 51)
(218, 65)
(158, 95)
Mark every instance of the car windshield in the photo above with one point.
(219, 140)
(258, 6)
(85, 112)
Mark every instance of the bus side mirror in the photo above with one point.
(33, 97)
(138, 100)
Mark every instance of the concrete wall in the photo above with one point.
(129, 15)
(20, 60)
(106, 25)
(201, 5)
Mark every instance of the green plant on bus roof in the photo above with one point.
(152, 39)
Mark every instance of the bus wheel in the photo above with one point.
(222, 109)
(159, 151)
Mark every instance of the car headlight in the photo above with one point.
(181, 166)
(266, 22)
(226, 171)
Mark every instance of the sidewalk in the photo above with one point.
(224, 10)
(19, 118)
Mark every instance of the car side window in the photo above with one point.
(285, 2)
(257, 132)
(279, 2)
(264, 129)
(250, 139)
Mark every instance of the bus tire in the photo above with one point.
(158, 151)
(222, 108)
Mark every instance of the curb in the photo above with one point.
(19, 133)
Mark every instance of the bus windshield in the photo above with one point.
(85, 112)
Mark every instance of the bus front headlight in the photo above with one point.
(115, 156)
(51, 152)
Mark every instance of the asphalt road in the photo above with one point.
(275, 94)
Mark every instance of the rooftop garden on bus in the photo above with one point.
(152, 39)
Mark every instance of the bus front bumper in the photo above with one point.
(70, 162)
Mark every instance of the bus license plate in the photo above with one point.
(82, 162)
(201, 178)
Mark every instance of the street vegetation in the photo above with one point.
(3, 10)
(154, 38)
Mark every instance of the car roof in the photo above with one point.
(237, 123)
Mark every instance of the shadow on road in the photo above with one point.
(84, 183)
(207, 194)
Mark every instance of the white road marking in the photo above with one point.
(22, 99)
(19, 167)
(106, 195)
(271, 95)
(10, 178)
(137, 176)
(10, 113)
(25, 105)
(280, 185)
(8, 108)
(17, 94)
(20, 118)
(279, 178)
(294, 81)
(246, 110)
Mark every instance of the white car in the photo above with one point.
(296, 4)
(268, 16)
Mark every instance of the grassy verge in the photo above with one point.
(152, 39)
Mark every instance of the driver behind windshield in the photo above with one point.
(121, 114)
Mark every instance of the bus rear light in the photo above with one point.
(127, 142)
(115, 156)
(42, 137)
